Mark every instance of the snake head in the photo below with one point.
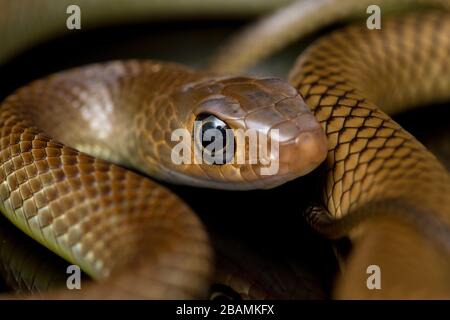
(244, 133)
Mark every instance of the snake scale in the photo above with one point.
(381, 187)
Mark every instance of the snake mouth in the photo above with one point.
(285, 172)
(266, 182)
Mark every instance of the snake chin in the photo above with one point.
(265, 182)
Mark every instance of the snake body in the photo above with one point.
(143, 242)
(374, 167)
(64, 199)
(297, 20)
(102, 217)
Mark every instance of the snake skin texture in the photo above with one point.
(374, 167)
(382, 187)
(107, 219)
(297, 20)
(26, 266)
(104, 218)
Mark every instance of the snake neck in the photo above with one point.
(120, 111)
(94, 214)
(371, 158)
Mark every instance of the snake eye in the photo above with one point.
(223, 292)
(214, 138)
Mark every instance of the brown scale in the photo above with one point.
(120, 227)
(95, 214)
(374, 167)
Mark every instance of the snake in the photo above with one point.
(68, 184)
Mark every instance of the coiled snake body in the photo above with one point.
(381, 187)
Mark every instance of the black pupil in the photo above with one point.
(211, 125)
(212, 128)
